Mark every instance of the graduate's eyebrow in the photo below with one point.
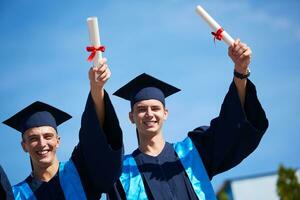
(146, 106)
(141, 106)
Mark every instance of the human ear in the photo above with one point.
(24, 146)
(166, 113)
(58, 141)
(130, 115)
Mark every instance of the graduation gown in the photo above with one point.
(230, 138)
(97, 157)
(5, 187)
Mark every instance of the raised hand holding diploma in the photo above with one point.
(99, 75)
(100, 72)
(218, 32)
(239, 52)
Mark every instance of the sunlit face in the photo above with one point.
(41, 143)
(149, 116)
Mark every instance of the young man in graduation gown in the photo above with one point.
(5, 187)
(96, 161)
(160, 170)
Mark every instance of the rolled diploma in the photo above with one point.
(94, 38)
(214, 25)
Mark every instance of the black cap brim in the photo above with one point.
(142, 81)
(16, 120)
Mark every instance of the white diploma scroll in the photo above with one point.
(214, 25)
(94, 38)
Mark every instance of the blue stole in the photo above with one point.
(69, 181)
(190, 159)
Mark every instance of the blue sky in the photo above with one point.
(43, 57)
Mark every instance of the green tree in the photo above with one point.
(288, 186)
(223, 196)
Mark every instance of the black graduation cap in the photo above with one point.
(144, 87)
(35, 115)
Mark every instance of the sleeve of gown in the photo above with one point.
(98, 155)
(234, 134)
(5, 187)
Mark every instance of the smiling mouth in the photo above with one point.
(42, 153)
(150, 123)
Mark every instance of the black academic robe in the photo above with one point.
(97, 157)
(230, 138)
(5, 187)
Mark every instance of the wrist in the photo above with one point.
(242, 75)
(97, 93)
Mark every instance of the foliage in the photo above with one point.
(288, 186)
(222, 196)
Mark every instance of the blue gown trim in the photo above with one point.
(194, 168)
(131, 180)
(69, 180)
(23, 191)
(133, 185)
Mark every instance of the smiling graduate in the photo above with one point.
(160, 170)
(96, 161)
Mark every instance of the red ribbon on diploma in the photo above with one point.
(94, 50)
(218, 35)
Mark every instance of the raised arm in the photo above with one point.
(102, 74)
(98, 156)
(238, 129)
(240, 54)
